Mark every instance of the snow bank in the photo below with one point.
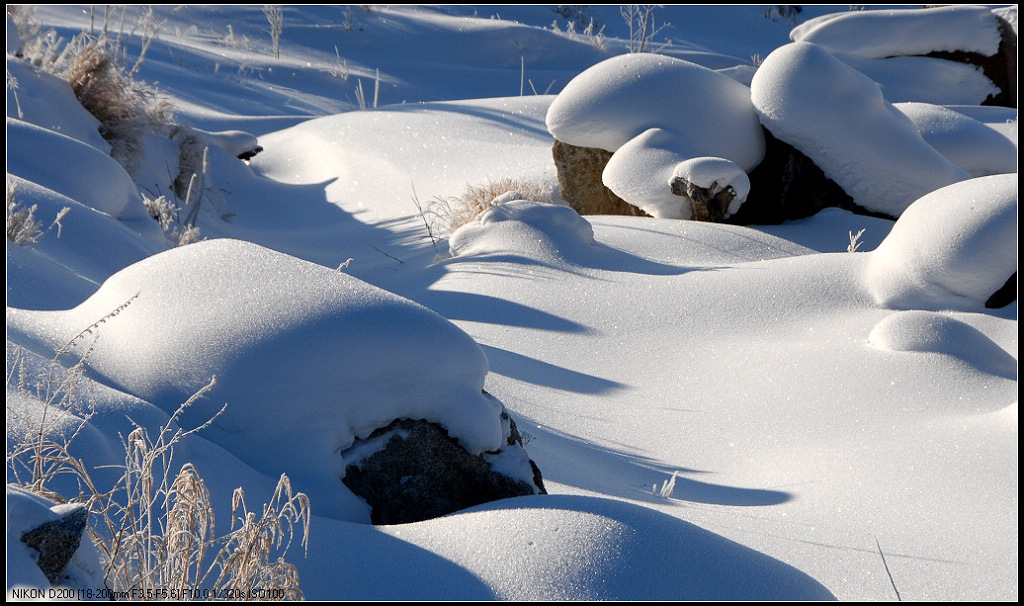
(838, 117)
(47, 101)
(43, 157)
(307, 359)
(888, 33)
(708, 113)
(953, 247)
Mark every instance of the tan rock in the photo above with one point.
(580, 185)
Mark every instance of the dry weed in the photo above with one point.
(444, 215)
(22, 227)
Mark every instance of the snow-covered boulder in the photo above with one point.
(654, 113)
(891, 33)
(307, 360)
(838, 117)
(918, 54)
(954, 247)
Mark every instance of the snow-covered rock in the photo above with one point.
(838, 117)
(655, 112)
(954, 247)
(925, 79)
(946, 54)
(292, 345)
(614, 101)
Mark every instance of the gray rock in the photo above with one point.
(419, 472)
(57, 541)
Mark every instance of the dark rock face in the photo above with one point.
(789, 185)
(57, 541)
(422, 473)
(580, 185)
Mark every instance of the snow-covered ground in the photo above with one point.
(719, 412)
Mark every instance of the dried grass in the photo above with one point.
(444, 215)
(127, 110)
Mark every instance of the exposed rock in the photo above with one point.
(580, 183)
(419, 472)
(788, 185)
(708, 204)
(57, 541)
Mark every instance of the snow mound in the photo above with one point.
(306, 359)
(888, 33)
(641, 171)
(578, 548)
(968, 143)
(523, 227)
(839, 119)
(954, 246)
(708, 114)
(926, 331)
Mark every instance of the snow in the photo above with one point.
(235, 311)
(26, 512)
(889, 47)
(835, 424)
